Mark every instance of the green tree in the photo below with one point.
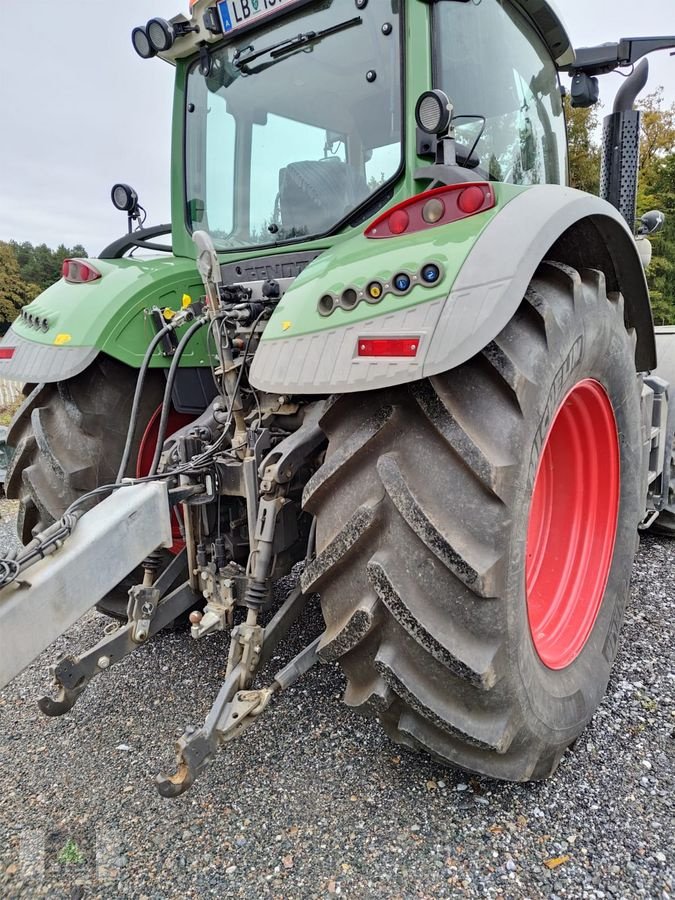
(584, 150)
(42, 266)
(15, 291)
(657, 133)
(656, 190)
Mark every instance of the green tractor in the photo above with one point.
(386, 340)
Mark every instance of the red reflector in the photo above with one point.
(471, 200)
(76, 271)
(398, 221)
(7, 352)
(389, 346)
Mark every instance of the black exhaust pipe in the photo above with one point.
(621, 147)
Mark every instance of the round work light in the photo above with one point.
(161, 35)
(142, 46)
(124, 198)
(433, 112)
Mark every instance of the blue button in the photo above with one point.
(431, 273)
(402, 282)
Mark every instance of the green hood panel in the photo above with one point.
(358, 261)
(109, 313)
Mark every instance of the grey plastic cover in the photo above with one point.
(33, 362)
(487, 292)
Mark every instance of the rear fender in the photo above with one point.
(61, 332)
(537, 223)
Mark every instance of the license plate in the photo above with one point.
(237, 14)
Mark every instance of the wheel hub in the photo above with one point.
(572, 524)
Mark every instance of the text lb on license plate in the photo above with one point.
(235, 14)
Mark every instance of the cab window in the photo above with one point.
(504, 87)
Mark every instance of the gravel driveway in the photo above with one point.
(315, 802)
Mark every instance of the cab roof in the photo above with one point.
(543, 13)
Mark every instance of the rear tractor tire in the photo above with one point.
(476, 531)
(68, 439)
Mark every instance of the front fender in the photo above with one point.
(485, 290)
(68, 325)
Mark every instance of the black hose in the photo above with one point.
(140, 381)
(166, 403)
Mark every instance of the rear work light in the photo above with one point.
(439, 206)
(77, 271)
(406, 347)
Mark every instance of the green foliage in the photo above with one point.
(656, 185)
(42, 266)
(657, 191)
(584, 151)
(15, 291)
(71, 855)
(26, 271)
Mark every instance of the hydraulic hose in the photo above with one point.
(140, 381)
(166, 403)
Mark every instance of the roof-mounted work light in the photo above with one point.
(141, 43)
(159, 36)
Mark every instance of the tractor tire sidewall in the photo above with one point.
(422, 510)
(562, 700)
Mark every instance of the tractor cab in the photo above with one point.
(291, 118)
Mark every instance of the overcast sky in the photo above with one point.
(80, 110)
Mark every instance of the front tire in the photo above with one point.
(423, 508)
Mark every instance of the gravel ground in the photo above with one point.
(315, 802)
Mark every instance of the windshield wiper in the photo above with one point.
(276, 51)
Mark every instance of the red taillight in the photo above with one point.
(76, 271)
(438, 207)
(398, 221)
(7, 352)
(388, 346)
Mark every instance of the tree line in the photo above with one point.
(26, 271)
(656, 188)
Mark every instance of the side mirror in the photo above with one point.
(651, 223)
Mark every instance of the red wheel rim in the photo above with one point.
(146, 453)
(572, 525)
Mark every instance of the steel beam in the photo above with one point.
(108, 542)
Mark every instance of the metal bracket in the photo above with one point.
(141, 610)
(245, 650)
(235, 707)
(73, 674)
(281, 464)
(223, 590)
